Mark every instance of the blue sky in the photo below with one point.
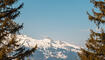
(64, 20)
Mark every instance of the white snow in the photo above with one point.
(47, 43)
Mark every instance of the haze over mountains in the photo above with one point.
(49, 49)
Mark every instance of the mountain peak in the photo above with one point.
(50, 48)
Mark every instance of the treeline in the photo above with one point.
(9, 47)
(95, 45)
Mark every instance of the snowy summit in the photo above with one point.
(49, 49)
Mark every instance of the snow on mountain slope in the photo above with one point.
(49, 49)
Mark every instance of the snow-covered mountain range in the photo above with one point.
(49, 49)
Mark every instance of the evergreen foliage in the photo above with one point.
(96, 42)
(10, 49)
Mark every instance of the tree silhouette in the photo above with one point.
(96, 43)
(10, 48)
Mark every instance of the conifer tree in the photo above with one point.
(95, 45)
(10, 49)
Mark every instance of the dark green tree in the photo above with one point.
(95, 45)
(10, 49)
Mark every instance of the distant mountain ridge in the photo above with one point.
(49, 49)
